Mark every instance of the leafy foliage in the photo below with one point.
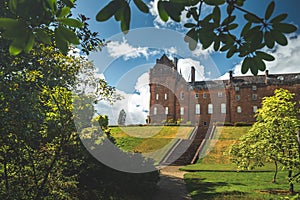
(257, 33)
(48, 21)
(274, 137)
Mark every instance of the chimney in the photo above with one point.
(230, 76)
(266, 76)
(193, 74)
(175, 63)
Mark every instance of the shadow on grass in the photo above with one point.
(171, 188)
(200, 189)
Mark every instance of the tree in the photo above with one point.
(46, 21)
(273, 137)
(122, 118)
(51, 22)
(257, 33)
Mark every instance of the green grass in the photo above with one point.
(236, 185)
(152, 141)
(215, 177)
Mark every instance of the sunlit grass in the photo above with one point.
(152, 141)
(215, 177)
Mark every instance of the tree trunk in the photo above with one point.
(291, 189)
(276, 171)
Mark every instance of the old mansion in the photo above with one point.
(172, 98)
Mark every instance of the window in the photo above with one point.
(196, 96)
(197, 111)
(155, 111)
(254, 97)
(254, 109)
(181, 110)
(210, 109)
(181, 95)
(236, 89)
(237, 97)
(157, 96)
(204, 123)
(204, 95)
(254, 87)
(220, 94)
(166, 96)
(239, 109)
(223, 108)
(167, 110)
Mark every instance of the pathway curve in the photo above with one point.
(171, 185)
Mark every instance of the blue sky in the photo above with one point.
(128, 57)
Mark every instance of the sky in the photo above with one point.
(126, 60)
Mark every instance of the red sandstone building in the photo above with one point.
(202, 102)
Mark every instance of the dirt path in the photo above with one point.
(171, 185)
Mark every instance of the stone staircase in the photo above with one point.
(184, 150)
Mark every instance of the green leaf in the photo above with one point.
(192, 38)
(174, 10)
(279, 37)
(214, 2)
(264, 56)
(232, 26)
(217, 44)
(206, 37)
(51, 4)
(71, 22)
(8, 23)
(68, 35)
(69, 3)
(216, 14)
(13, 5)
(252, 18)
(226, 47)
(108, 11)
(246, 65)
(279, 18)
(162, 11)
(43, 36)
(189, 25)
(284, 27)
(269, 39)
(30, 43)
(63, 12)
(269, 10)
(14, 50)
(141, 6)
(259, 63)
(231, 51)
(125, 21)
(246, 28)
(253, 66)
(61, 43)
(228, 20)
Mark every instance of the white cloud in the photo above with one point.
(136, 105)
(287, 59)
(123, 49)
(199, 51)
(184, 66)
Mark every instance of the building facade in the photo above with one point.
(173, 99)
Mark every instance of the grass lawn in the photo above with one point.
(152, 141)
(236, 185)
(215, 177)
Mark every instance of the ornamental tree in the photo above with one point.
(273, 137)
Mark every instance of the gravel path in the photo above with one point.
(171, 185)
